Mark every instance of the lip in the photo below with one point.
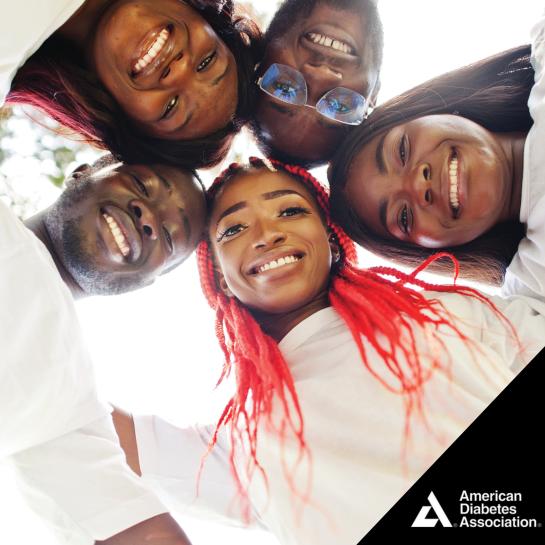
(129, 230)
(162, 59)
(273, 255)
(462, 183)
(333, 32)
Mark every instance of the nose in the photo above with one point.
(145, 219)
(418, 184)
(176, 74)
(320, 79)
(268, 235)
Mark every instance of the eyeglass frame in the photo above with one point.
(307, 105)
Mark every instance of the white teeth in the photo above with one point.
(327, 41)
(453, 175)
(278, 263)
(152, 52)
(118, 235)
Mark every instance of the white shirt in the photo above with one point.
(24, 26)
(526, 273)
(53, 428)
(353, 426)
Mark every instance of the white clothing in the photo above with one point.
(526, 273)
(53, 428)
(354, 426)
(24, 27)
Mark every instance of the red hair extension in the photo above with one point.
(387, 313)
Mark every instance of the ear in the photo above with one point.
(77, 173)
(80, 170)
(335, 248)
(222, 283)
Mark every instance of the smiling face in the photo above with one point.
(270, 242)
(436, 181)
(331, 49)
(117, 230)
(166, 67)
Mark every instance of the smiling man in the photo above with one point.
(318, 77)
(113, 229)
(117, 227)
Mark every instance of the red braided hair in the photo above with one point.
(387, 313)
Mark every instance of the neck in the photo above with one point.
(279, 325)
(37, 225)
(513, 148)
(80, 27)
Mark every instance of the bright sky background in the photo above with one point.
(155, 351)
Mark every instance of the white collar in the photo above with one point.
(308, 327)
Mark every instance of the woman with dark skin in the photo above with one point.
(164, 80)
(441, 167)
(320, 350)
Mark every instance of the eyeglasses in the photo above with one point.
(288, 85)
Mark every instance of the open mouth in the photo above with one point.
(117, 233)
(454, 189)
(277, 263)
(120, 234)
(331, 42)
(151, 51)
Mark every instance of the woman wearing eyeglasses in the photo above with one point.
(318, 77)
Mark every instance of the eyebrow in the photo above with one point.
(292, 112)
(266, 196)
(382, 209)
(164, 181)
(379, 155)
(279, 108)
(183, 215)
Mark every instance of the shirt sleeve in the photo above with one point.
(24, 26)
(170, 458)
(526, 273)
(81, 486)
(47, 383)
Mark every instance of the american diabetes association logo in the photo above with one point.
(476, 510)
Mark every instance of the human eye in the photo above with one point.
(293, 211)
(171, 104)
(230, 231)
(140, 185)
(338, 106)
(284, 89)
(403, 149)
(404, 219)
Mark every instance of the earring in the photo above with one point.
(224, 287)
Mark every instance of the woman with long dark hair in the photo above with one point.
(165, 81)
(485, 104)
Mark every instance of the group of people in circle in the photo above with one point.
(349, 382)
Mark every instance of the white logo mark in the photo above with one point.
(422, 522)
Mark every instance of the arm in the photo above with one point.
(159, 530)
(124, 427)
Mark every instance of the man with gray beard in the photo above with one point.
(318, 77)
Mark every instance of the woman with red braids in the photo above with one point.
(349, 383)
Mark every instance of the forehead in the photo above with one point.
(254, 185)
